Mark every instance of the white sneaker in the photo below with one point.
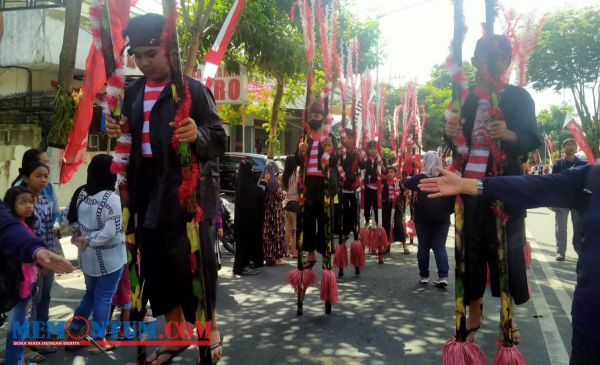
(424, 281)
(441, 282)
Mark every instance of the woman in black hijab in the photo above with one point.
(249, 216)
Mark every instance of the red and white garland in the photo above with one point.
(111, 99)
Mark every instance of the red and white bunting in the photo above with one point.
(215, 55)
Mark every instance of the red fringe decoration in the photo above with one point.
(373, 242)
(363, 237)
(300, 280)
(527, 253)
(189, 180)
(357, 254)
(329, 290)
(382, 241)
(509, 355)
(462, 353)
(340, 258)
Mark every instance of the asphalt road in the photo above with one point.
(384, 316)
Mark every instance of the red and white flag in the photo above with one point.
(215, 55)
(575, 127)
(93, 80)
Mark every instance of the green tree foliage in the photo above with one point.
(270, 44)
(567, 56)
(435, 94)
(367, 32)
(551, 120)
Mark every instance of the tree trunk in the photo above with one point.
(68, 52)
(273, 132)
(197, 29)
(1, 25)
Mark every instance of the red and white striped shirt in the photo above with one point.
(479, 153)
(313, 160)
(151, 93)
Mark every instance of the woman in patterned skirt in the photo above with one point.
(274, 226)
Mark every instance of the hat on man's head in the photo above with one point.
(317, 108)
(145, 30)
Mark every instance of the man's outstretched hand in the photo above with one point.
(52, 261)
(448, 184)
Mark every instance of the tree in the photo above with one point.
(65, 104)
(266, 40)
(551, 120)
(567, 56)
(193, 20)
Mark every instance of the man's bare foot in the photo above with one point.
(164, 355)
(216, 346)
(474, 320)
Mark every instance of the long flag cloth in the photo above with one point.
(575, 129)
(215, 54)
(93, 80)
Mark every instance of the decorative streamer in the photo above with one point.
(95, 77)
(215, 55)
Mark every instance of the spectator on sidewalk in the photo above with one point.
(432, 222)
(274, 223)
(248, 222)
(35, 178)
(290, 204)
(568, 161)
(20, 202)
(95, 217)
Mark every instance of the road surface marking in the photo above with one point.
(554, 282)
(557, 353)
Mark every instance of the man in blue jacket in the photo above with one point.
(568, 161)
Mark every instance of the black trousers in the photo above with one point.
(314, 215)
(482, 251)
(584, 349)
(386, 216)
(350, 214)
(398, 234)
(370, 203)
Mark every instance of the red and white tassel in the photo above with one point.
(357, 254)
(329, 290)
(509, 355)
(340, 258)
(462, 353)
(300, 280)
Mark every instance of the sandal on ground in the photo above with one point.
(215, 346)
(513, 330)
(107, 348)
(33, 356)
(473, 332)
(157, 353)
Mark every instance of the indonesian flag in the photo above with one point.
(536, 157)
(93, 80)
(215, 55)
(549, 144)
(575, 127)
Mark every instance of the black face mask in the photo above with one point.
(315, 124)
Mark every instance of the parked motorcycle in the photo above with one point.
(227, 213)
